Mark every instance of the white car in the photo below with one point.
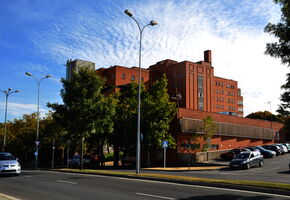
(9, 164)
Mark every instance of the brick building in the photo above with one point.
(199, 93)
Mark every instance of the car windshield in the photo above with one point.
(6, 157)
(243, 155)
(236, 151)
(261, 148)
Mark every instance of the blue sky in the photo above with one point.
(38, 36)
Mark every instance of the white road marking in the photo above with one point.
(155, 196)
(27, 176)
(184, 185)
(69, 182)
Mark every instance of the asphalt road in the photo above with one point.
(274, 170)
(58, 186)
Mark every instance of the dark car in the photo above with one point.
(265, 152)
(232, 153)
(273, 147)
(246, 160)
(88, 161)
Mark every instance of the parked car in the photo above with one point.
(287, 145)
(283, 147)
(232, 153)
(273, 147)
(254, 150)
(265, 152)
(9, 164)
(246, 160)
(88, 161)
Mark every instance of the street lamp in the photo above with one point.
(152, 23)
(38, 81)
(6, 93)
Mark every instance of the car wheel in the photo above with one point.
(248, 166)
(261, 164)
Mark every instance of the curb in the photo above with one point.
(7, 197)
(191, 182)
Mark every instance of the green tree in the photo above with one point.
(157, 111)
(264, 115)
(21, 134)
(86, 111)
(209, 129)
(281, 30)
(124, 136)
(281, 49)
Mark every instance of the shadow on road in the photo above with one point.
(226, 196)
(284, 172)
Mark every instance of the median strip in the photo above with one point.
(186, 179)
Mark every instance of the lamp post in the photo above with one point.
(6, 93)
(38, 81)
(152, 23)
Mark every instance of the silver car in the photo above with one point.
(9, 164)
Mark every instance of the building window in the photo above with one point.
(200, 92)
(123, 76)
(240, 102)
(132, 78)
(142, 79)
(214, 146)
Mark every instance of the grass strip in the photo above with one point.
(264, 184)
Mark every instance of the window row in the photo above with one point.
(231, 108)
(219, 91)
(221, 84)
(133, 78)
(230, 100)
(221, 99)
(220, 106)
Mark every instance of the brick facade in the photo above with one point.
(199, 93)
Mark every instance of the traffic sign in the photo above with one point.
(164, 144)
(36, 154)
(37, 143)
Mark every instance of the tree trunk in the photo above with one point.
(102, 153)
(148, 158)
(62, 156)
(116, 155)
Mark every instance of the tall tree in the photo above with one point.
(157, 112)
(281, 49)
(86, 111)
(124, 136)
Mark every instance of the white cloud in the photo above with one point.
(18, 110)
(233, 30)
